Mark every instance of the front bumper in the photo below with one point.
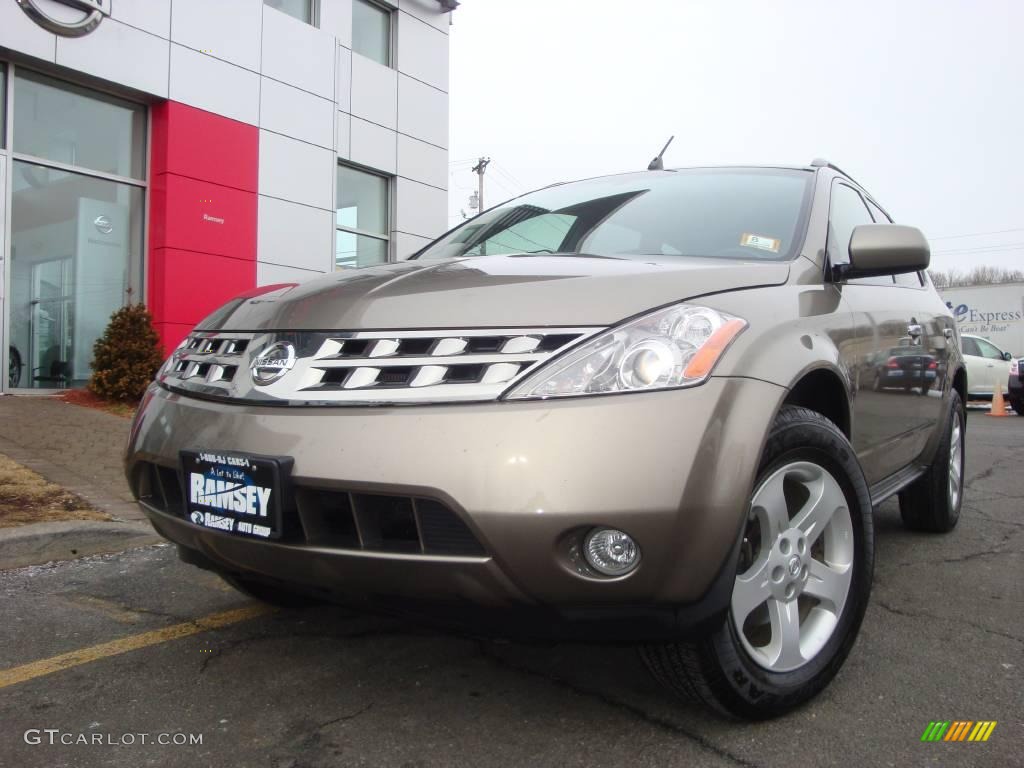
(674, 469)
(1015, 385)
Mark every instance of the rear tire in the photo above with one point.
(810, 471)
(1018, 405)
(932, 502)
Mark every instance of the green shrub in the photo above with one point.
(127, 355)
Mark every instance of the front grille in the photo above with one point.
(212, 359)
(383, 523)
(159, 487)
(368, 367)
(340, 519)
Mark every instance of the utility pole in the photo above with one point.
(478, 169)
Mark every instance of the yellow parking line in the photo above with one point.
(53, 664)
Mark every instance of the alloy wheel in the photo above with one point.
(796, 567)
(956, 462)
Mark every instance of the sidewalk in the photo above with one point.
(78, 448)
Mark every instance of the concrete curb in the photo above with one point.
(69, 539)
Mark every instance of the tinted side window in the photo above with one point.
(846, 211)
(969, 346)
(989, 350)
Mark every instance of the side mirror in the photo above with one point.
(1007, 356)
(884, 249)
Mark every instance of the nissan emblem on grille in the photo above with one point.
(273, 362)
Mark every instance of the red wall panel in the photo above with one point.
(195, 284)
(190, 142)
(202, 219)
(205, 217)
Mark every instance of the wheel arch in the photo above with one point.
(960, 383)
(822, 390)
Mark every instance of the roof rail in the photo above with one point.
(820, 162)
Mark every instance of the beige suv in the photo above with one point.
(636, 408)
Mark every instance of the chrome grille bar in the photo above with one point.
(368, 367)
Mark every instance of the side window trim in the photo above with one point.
(839, 182)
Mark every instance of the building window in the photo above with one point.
(77, 209)
(362, 220)
(66, 124)
(371, 31)
(303, 10)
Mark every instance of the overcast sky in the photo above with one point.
(921, 101)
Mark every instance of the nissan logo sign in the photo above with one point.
(103, 225)
(79, 17)
(272, 363)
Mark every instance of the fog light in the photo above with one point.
(611, 552)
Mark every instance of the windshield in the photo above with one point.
(728, 213)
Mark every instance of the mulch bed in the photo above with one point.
(87, 399)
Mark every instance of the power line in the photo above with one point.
(976, 234)
(985, 248)
(501, 169)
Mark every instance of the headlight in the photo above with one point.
(673, 347)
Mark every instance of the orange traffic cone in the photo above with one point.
(998, 406)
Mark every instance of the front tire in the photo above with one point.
(802, 582)
(932, 502)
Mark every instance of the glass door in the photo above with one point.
(50, 305)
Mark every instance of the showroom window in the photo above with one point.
(371, 31)
(362, 220)
(74, 126)
(77, 206)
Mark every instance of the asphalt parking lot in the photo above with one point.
(110, 651)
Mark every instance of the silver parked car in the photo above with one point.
(636, 408)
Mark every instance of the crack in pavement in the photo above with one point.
(343, 718)
(647, 717)
(995, 550)
(953, 620)
(227, 646)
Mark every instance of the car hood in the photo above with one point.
(490, 291)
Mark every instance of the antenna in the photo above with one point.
(656, 164)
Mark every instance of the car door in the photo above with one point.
(979, 378)
(885, 420)
(996, 365)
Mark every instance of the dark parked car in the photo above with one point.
(1015, 385)
(905, 368)
(616, 410)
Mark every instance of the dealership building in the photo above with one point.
(184, 151)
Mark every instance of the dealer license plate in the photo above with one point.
(234, 492)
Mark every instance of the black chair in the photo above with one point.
(13, 367)
(58, 371)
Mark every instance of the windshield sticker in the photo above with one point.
(760, 241)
